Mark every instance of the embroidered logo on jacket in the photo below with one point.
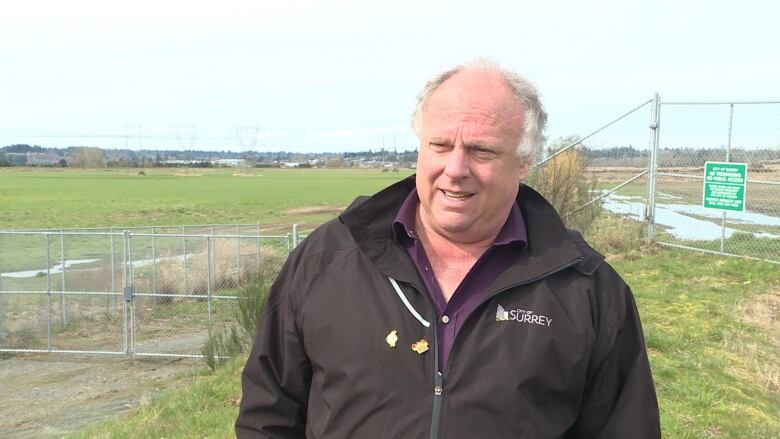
(521, 316)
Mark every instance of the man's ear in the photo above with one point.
(522, 170)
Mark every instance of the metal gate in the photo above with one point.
(142, 292)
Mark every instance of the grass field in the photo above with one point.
(34, 198)
(54, 198)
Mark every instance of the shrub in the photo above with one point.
(220, 346)
(251, 302)
(229, 342)
(564, 183)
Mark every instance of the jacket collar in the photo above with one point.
(550, 246)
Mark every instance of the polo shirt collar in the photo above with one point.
(513, 231)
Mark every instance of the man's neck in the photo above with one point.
(451, 259)
(456, 246)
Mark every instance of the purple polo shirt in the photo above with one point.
(451, 315)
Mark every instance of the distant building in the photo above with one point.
(16, 158)
(182, 162)
(229, 162)
(31, 158)
(42, 159)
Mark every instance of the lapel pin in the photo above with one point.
(421, 346)
(392, 338)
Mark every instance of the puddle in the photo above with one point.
(147, 262)
(676, 218)
(55, 269)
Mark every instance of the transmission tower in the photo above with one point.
(186, 135)
(247, 138)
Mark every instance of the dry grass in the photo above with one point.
(310, 210)
(227, 270)
(764, 312)
(617, 237)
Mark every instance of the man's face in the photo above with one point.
(467, 169)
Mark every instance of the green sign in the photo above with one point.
(724, 186)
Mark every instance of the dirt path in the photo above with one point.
(46, 396)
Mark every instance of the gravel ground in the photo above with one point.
(48, 396)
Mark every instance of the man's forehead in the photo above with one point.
(447, 114)
(476, 104)
(478, 94)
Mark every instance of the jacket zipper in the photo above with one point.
(438, 384)
(438, 376)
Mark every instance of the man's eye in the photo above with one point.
(439, 146)
(484, 153)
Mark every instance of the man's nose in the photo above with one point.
(457, 164)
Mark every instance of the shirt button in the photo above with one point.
(445, 319)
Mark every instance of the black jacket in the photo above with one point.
(321, 366)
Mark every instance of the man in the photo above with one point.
(453, 304)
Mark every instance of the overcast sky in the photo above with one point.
(335, 75)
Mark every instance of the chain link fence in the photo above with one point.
(599, 182)
(145, 291)
(695, 133)
(641, 176)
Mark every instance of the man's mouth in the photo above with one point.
(456, 195)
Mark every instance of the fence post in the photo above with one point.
(258, 247)
(238, 258)
(154, 261)
(728, 159)
(112, 300)
(295, 235)
(655, 122)
(129, 296)
(62, 261)
(48, 292)
(126, 283)
(208, 281)
(210, 254)
(184, 250)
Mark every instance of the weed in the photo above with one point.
(220, 346)
(229, 342)
(614, 235)
(24, 337)
(563, 182)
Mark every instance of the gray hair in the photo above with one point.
(524, 91)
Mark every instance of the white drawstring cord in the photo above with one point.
(408, 305)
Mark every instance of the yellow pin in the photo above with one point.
(392, 338)
(421, 346)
